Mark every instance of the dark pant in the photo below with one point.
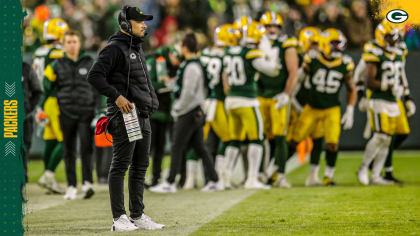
(28, 127)
(134, 154)
(103, 162)
(188, 132)
(71, 128)
(159, 130)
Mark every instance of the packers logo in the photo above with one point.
(83, 71)
(397, 16)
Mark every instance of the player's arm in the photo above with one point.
(48, 83)
(292, 66)
(261, 63)
(225, 82)
(351, 89)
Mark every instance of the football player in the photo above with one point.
(54, 30)
(274, 91)
(308, 42)
(385, 75)
(328, 70)
(216, 117)
(242, 64)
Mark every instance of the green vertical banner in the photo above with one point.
(12, 116)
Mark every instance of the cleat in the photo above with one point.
(282, 182)
(123, 224)
(71, 193)
(255, 184)
(327, 181)
(144, 222)
(213, 187)
(312, 180)
(363, 176)
(390, 177)
(380, 181)
(164, 187)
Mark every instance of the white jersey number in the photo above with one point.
(213, 67)
(327, 82)
(391, 72)
(234, 66)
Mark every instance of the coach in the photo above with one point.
(120, 73)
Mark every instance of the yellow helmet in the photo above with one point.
(226, 35)
(332, 42)
(252, 33)
(242, 22)
(308, 36)
(271, 18)
(386, 34)
(54, 29)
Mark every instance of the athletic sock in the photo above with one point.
(396, 142)
(316, 151)
(48, 149)
(313, 170)
(56, 157)
(331, 158)
(255, 153)
(378, 164)
(372, 148)
(290, 151)
(192, 156)
(231, 153)
(281, 153)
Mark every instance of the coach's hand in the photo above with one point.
(348, 119)
(124, 105)
(411, 107)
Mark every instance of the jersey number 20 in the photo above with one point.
(234, 66)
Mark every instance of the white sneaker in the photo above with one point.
(87, 190)
(312, 180)
(380, 181)
(189, 183)
(255, 184)
(282, 182)
(363, 175)
(71, 193)
(42, 182)
(123, 224)
(213, 187)
(55, 187)
(164, 187)
(144, 222)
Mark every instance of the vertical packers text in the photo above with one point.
(10, 122)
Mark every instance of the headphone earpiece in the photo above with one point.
(124, 23)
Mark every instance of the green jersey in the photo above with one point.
(269, 86)
(212, 60)
(44, 56)
(389, 68)
(242, 75)
(326, 79)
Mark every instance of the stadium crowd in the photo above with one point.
(203, 58)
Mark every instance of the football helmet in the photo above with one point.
(332, 43)
(54, 29)
(225, 35)
(307, 37)
(386, 35)
(252, 33)
(271, 18)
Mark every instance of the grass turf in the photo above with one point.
(348, 209)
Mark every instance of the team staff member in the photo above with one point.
(76, 101)
(120, 74)
(31, 94)
(188, 128)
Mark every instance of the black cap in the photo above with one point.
(134, 13)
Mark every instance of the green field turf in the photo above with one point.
(348, 209)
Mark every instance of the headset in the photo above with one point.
(124, 23)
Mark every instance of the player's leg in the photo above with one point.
(332, 127)
(279, 118)
(220, 127)
(253, 125)
(318, 144)
(237, 135)
(402, 131)
(192, 165)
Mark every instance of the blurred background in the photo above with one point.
(97, 20)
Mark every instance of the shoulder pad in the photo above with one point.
(205, 51)
(290, 42)
(41, 51)
(370, 57)
(372, 49)
(348, 62)
(56, 53)
(234, 50)
(254, 53)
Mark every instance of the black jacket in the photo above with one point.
(76, 97)
(32, 91)
(109, 74)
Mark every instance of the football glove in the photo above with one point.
(347, 119)
(411, 107)
(282, 100)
